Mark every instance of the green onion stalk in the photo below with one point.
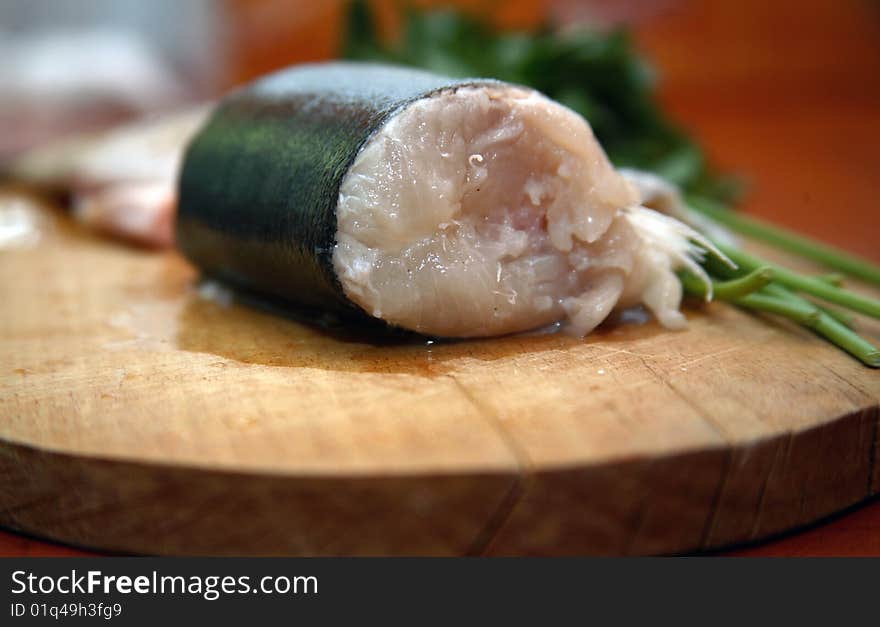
(762, 286)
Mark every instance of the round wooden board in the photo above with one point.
(139, 415)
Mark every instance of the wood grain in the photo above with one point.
(139, 415)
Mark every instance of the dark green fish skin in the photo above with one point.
(260, 181)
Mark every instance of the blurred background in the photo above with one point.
(784, 96)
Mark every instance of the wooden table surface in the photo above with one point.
(788, 95)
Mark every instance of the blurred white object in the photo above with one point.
(145, 151)
(122, 181)
(661, 195)
(75, 66)
(20, 223)
(85, 65)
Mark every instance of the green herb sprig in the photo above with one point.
(792, 242)
(830, 324)
(765, 287)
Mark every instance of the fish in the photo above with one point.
(456, 208)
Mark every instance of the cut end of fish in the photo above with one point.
(659, 194)
(674, 245)
(485, 210)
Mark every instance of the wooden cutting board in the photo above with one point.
(142, 413)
